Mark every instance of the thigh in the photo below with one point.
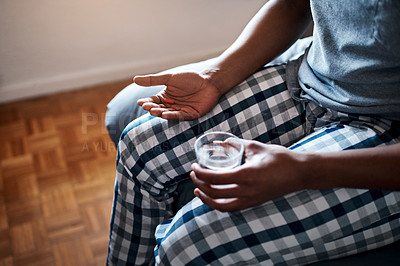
(123, 108)
(299, 228)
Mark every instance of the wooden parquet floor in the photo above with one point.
(57, 171)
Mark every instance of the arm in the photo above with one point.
(277, 25)
(272, 171)
(272, 30)
(372, 168)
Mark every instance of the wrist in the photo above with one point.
(310, 170)
(227, 71)
(216, 77)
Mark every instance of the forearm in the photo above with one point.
(272, 30)
(372, 168)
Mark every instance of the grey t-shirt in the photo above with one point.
(353, 64)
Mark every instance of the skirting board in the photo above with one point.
(71, 81)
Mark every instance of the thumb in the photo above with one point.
(152, 80)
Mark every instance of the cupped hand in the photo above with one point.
(268, 172)
(192, 95)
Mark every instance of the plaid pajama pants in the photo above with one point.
(154, 155)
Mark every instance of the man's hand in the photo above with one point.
(187, 96)
(269, 172)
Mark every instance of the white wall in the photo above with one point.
(51, 45)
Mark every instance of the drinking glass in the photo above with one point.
(219, 150)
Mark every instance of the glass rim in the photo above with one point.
(241, 150)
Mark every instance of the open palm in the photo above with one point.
(193, 95)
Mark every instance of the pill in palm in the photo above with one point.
(170, 101)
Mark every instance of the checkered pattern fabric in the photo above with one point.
(155, 154)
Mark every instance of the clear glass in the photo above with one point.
(219, 150)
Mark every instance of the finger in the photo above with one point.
(147, 106)
(178, 115)
(223, 205)
(152, 80)
(231, 176)
(229, 143)
(152, 99)
(158, 111)
(219, 191)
